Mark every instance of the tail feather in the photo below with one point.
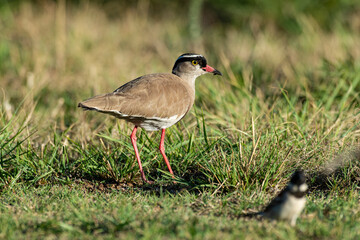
(98, 103)
(86, 107)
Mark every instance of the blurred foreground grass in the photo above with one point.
(72, 212)
(287, 99)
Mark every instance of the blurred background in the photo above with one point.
(56, 53)
(283, 61)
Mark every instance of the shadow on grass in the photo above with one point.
(163, 185)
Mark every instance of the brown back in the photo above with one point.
(161, 95)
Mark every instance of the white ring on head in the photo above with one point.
(190, 56)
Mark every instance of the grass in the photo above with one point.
(160, 213)
(286, 101)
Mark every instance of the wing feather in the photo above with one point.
(154, 95)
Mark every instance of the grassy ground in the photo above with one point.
(286, 101)
(77, 211)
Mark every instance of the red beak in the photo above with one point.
(211, 70)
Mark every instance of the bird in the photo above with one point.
(290, 202)
(154, 101)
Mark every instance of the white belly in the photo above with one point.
(292, 207)
(147, 123)
(289, 210)
(154, 123)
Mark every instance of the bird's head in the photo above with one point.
(191, 64)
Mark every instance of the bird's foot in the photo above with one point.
(147, 181)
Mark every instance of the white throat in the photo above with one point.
(191, 77)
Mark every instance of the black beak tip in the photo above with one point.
(217, 72)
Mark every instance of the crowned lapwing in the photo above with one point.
(154, 101)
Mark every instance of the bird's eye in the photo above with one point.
(194, 62)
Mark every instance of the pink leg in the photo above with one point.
(162, 150)
(133, 141)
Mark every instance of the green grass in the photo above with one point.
(287, 100)
(116, 211)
